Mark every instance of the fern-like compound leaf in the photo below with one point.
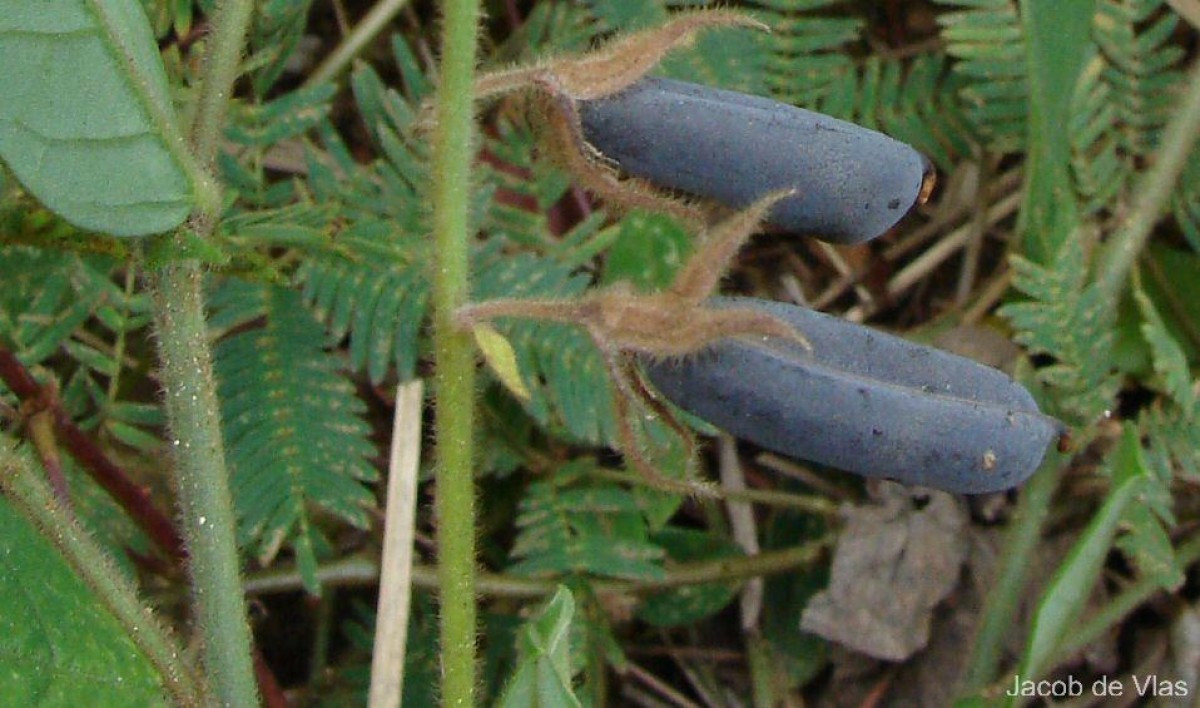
(986, 38)
(1071, 323)
(597, 529)
(293, 425)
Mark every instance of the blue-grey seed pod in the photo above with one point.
(865, 402)
(852, 184)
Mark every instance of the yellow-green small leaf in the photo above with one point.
(499, 354)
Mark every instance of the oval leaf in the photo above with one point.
(86, 123)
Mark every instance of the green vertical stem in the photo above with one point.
(1118, 607)
(206, 508)
(202, 479)
(222, 64)
(455, 383)
(999, 615)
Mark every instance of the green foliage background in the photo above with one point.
(319, 279)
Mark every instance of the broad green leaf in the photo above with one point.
(58, 645)
(86, 123)
(1065, 598)
(543, 676)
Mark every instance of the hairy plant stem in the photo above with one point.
(34, 499)
(202, 479)
(453, 145)
(222, 65)
(1000, 609)
(1152, 192)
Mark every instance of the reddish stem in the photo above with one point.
(41, 431)
(268, 685)
(132, 497)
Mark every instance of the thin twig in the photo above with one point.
(969, 269)
(921, 267)
(741, 522)
(363, 33)
(1001, 186)
(363, 571)
(797, 471)
(659, 686)
(41, 432)
(988, 296)
(767, 497)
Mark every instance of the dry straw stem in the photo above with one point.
(395, 576)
